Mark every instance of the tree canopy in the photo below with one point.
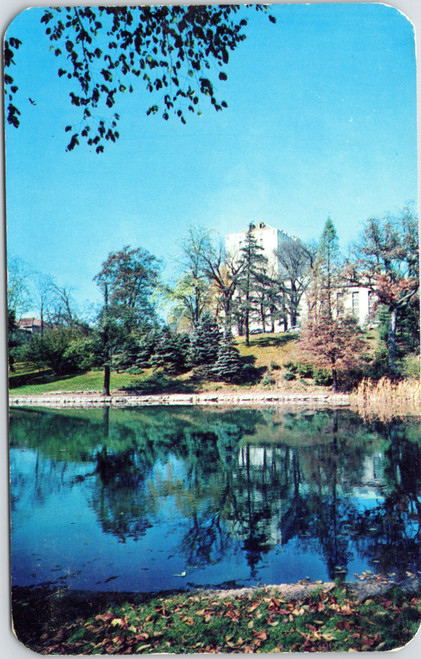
(130, 277)
(104, 51)
(386, 260)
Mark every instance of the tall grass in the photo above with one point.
(386, 400)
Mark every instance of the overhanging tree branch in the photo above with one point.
(103, 51)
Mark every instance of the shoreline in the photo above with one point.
(63, 399)
(360, 589)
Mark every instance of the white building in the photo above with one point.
(354, 300)
(267, 237)
(359, 302)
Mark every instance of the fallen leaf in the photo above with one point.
(140, 648)
(346, 610)
(188, 620)
(105, 617)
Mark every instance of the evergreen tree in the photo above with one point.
(171, 352)
(228, 366)
(205, 341)
(253, 269)
(327, 269)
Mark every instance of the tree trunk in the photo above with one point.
(262, 316)
(106, 389)
(247, 325)
(42, 319)
(335, 380)
(391, 340)
(272, 319)
(227, 318)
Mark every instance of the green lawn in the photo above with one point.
(265, 349)
(89, 381)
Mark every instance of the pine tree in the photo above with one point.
(228, 366)
(205, 341)
(171, 352)
(253, 268)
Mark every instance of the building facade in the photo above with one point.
(354, 300)
(267, 237)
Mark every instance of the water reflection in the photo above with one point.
(160, 495)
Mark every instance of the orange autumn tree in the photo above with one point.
(331, 339)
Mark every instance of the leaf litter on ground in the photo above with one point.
(259, 620)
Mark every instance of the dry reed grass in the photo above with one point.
(387, 400)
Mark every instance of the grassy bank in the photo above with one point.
(267, 354)
(84, 382)
(273, 362)
(255, 621)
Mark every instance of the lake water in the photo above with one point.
(160, 498)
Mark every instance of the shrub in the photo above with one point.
(291, 366)
(305, 370)
(289, 375)
(322, 378)
(79, 354)
(268, 380)
(299, 368)
(62, 349)
(411, 367)
(135, 370)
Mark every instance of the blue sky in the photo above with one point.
(321, 122)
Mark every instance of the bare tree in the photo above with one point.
(63, 310)
(224, 271)
(296, 260)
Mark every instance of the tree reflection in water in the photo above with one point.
(242, 480)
